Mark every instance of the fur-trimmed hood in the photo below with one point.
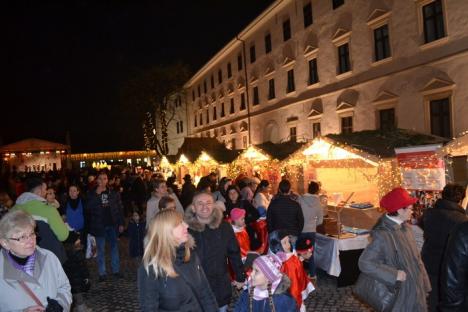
(195, 225)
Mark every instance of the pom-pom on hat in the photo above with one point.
(304, 245)
(237, 213)
(396, 199)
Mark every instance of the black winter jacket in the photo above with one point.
(215, 244)
(95, 212)
(188, 292)
(454, 272)
(284, 213)
(438, 222)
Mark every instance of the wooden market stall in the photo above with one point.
(456, 155)
(200, 156)
(263, 161)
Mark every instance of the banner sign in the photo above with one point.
(421, 168)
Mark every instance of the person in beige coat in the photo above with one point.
(31, 278)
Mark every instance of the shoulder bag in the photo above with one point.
(378, 295)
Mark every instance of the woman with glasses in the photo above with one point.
(31, 278)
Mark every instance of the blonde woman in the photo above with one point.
(171, 277)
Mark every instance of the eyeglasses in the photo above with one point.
(23, 238)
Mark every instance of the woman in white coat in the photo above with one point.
(31, 278)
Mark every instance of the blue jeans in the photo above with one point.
(223, 308)
(311, 237)
(110, 235)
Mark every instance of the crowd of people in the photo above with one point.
(195, 244)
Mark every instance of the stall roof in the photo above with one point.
(383, 143)
(280, 151)
(193, 147)
(456, 147)
(33, 145)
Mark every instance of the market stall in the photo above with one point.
(455, 154)
(200, 156)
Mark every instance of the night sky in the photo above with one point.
(67, 60)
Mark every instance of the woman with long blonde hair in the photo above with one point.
(171, 277)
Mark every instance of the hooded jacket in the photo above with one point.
(312, 211)
(51, 228)
(215, 244)
(380, 261)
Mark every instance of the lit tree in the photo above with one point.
(148, 94)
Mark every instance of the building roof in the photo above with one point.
(456, 147)
(383, 143)
(33, 145)
(280, 151)
(193, 147)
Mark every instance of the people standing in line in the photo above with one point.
(105, 215)
(454, 272)
(438, 222)
(139, 193)
(221, 193)
(268, 289)
(215, 244)
(172, 186)
(262, 196)
(23, 264)
(187, 192)
(234, 201)
(313, 216)
(136, 233)
(381, 261)
(51, 228)
(285, 212)
(159, 188)
(171, 277)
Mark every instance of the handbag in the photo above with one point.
(378, 295)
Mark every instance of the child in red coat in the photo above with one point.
(301, 286)
(238, 225)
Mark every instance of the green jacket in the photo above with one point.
(40, 211)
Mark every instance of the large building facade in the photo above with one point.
(308, 68)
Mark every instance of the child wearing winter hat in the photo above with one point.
(267, 288)
(238, 225)
(301, 286)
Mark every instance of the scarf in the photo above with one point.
(23, 264)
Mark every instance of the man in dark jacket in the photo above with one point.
(215, 244)
(437, 224)
(188, 190)
(454, 272)
(285, 213)
(104, 213)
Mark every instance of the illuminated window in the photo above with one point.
(316, 129)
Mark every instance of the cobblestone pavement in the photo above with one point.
(122, 294)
